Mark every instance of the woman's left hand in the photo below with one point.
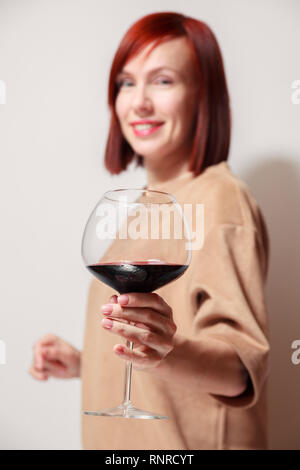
(145, 319)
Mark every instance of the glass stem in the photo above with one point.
(127, 378)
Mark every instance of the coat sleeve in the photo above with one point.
(229, 274)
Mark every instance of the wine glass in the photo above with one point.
(135, 240)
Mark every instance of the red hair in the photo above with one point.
(213, 122)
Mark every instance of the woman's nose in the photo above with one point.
(141, 100)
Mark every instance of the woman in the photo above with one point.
(206, 366)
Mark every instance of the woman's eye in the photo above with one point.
(125, 83)
(163, 81)
(128, 83)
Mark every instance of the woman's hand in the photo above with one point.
(145, 319)
(54, 357)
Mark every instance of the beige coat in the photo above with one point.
(229, 272)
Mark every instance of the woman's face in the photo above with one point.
(156, 101)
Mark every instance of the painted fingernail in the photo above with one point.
(107, 308)
(123, 299)
(107, 323)
(119, 349)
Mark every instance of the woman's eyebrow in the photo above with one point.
(150, 72)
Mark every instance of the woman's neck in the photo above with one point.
(158, 175)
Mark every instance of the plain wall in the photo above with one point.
(55, 57)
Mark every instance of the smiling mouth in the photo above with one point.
(145, 129)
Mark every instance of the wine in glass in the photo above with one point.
(135, 240)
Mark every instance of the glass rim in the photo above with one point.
(172, 201)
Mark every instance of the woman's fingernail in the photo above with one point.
(123, 299)
(107, 323)
(119, 349)
(107, 308)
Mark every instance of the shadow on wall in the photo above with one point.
(275, 184)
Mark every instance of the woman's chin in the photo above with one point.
(149, 151)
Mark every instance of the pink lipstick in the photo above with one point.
(145, 127)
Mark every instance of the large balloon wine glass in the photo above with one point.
(136, 240)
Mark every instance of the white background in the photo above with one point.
(55, 57)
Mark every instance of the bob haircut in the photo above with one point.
(213, 119)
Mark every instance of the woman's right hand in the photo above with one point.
(54, 357)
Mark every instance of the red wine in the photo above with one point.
(143, 276)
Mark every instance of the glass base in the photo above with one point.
(125, 410)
